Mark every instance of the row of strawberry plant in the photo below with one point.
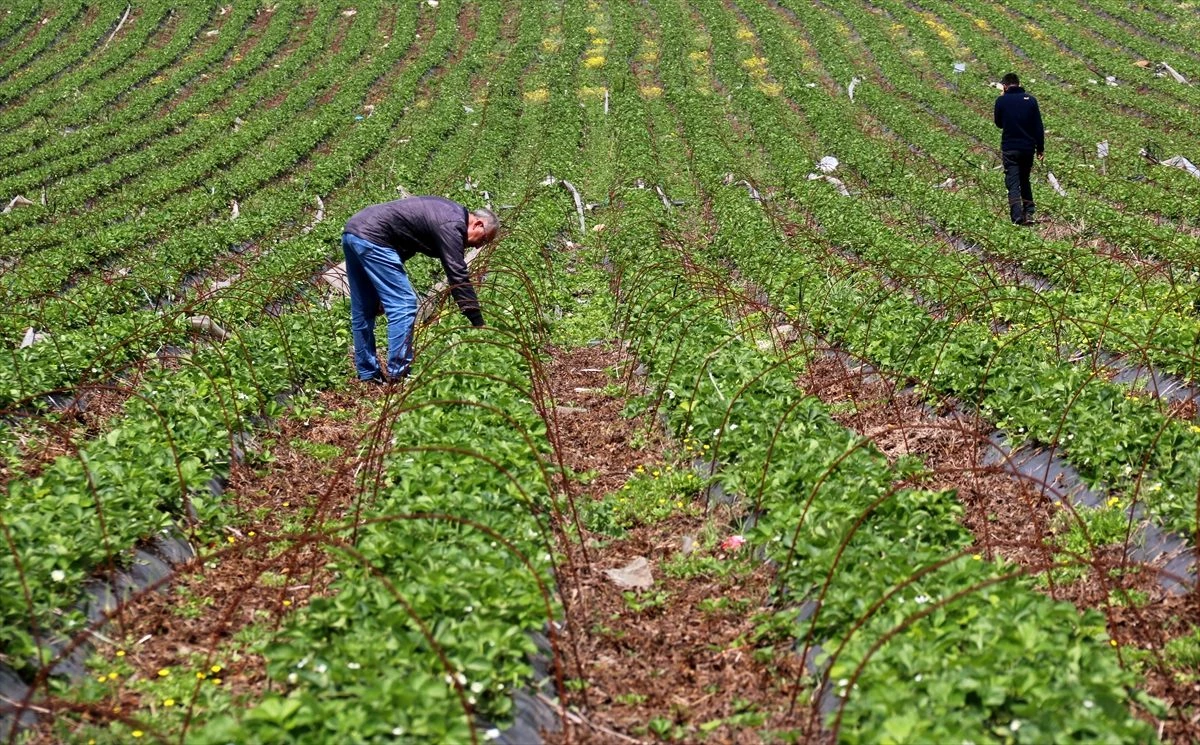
(192, 465)
(1080, 316)
(156, 39)
(108, 110)
(23, 61)
(479, 617)
(898, 634)
(181, 194)
(1017, 379)
(123, 336)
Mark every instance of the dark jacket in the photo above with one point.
(1018, 115)
(434, 226)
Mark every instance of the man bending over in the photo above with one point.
(377, 242)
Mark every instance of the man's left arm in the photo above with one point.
(451, 241)
(996, 117)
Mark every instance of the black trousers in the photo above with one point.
(1017, 166)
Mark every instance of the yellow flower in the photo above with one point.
(216, 681)
(538, 95)
(286, 603)
(101, 679)
(168, 702)
(137, 733)
(593, 63)
(1112, 642)
(977, 557)
(112, 676)
(120, 652)
(215, 668)
(201, 675)
(651, 91)
(164, 672)
(231, 539)
(745, 34)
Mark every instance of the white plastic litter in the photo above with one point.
(551, 181)
(811, 85)
(431, 3)
(1112, 81)
(947, 184)
(1175, 74)
(1055, 185)
(31, 337)
(1183, 164)
(853, 84)
(828, 164)
(1102, 149)
(317, 218)
(837, 183)
(213, 32)
(1093, 81)
(403, 192)
(634, 575)
(350, 12)
(236, 211)
(17, 201)
(206, 325)
(960, 67)
(124, 18)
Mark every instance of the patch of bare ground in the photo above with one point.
(682, 654)
(256, 575)
(1013, 519)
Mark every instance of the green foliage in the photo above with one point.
(647, 498)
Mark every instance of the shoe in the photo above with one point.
(374, 380)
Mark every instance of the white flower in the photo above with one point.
(353, 665)
(843, 683)
(1015, 725)
(670, 394)
(397, 731)
(732, 427)
(58, 575)
(293, 678)
(468, 609)
(918, 677)
(477, 687)
(492, 734)
(921, 599)
(1087, 703)
(321, 668)
(462, 679)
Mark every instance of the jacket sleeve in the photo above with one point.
(996, 114)
(450, 247)
(1039, 131)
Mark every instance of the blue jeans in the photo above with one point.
(377, 277)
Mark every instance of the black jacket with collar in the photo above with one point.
(434, 226)
(1018, 115)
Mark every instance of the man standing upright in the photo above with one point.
(1024, 136)
(377, 241)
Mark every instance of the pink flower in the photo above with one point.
(732, 543)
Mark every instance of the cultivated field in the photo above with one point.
(779, 430)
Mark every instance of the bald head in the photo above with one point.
(482, 227)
